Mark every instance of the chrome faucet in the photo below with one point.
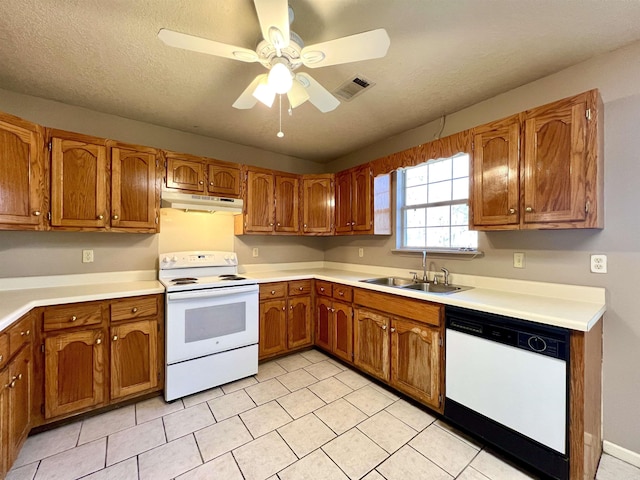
(425, 279)
(446, 275)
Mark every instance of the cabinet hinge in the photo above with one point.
(50, 146)
(157, 163)
(440, 341)
(439, 399)
(165, 164)
(49, 216)
(158, 375)
(158, 327)
(588, 114)
(156, 219)
(353, 356)
(42, 408)
(42, 348)
(586, 207)
(473, 146)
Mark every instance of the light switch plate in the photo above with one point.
(361, 252)
(598, 264)
(255, 252)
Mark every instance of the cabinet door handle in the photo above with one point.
(348, 224)
(384, 327)
(512, 211)
(393, 329)
(73, 318)
(115, 338)
(98, 341)
(100, 217)
(353, 223)
(19, 376)
(37, 213)
(115, 217)
(12, 384)
(332, 310)
(341, 293)
(528, 209)
(25, 333)
(134, 310)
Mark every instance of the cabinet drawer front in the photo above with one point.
(300, 287)
(401, 306)
(20, 333)
(324, 288)
(70, 316)
(273, 290)
(341, 292)
(4, 351)
(131, 308)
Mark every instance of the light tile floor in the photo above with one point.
(301, 417)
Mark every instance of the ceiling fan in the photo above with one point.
(282, 51)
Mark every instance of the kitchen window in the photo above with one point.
(433, 206)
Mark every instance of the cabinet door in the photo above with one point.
(135, 195)
(185, 174)
(273, 328)
(343, 331)
(344, 219)
(4, 418)
(371, 343)
(362, 200)
(287, 195)
(299, 322)
(415, 360)
(74, 371)
(495, 188)
(555, 162)
(78, 184)
(19, 402)
(324, 324)
(259, 205)
(317, 204)
(223, 180)
(22, 183)
(134, 357)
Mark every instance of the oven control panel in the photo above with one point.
(197, 259)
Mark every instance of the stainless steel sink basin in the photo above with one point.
(389, 281)
(434, 288)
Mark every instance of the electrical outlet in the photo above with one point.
(255, 252)
(598, 264)
(361, 252)
(87, 256)
(518, 260)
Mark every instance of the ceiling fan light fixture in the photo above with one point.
(264, 93)
(280, 78)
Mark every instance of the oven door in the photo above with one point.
(202, 322)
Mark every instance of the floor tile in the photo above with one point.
(458, 434)
(293, 362)
(169, 460)
(222, 468)
(337, 364)
(230, 405)
(373, 475)
(306, 434)
(269, 370)
(201, 397)
(322, 370)
(264, 457)
(385, 391)
(48, 443)
(26, 472)
(415, 417)
(354, 453)
(222, 437)
(340, 416)
(368, 400)
(127, 470)
(300, 402)
(265, 419)
(297, 379)
(316, 466)
(352, 379)
(471, 473)
(135, 440)
(107, 423)
(330, 389)
(387, 431)
(407, 463)
(74, 463)
(612, 468)
(314, 356)
(186, 421)
(497, 469)
(266, 391)
(448, 452)
(155, 407)
(238, 385)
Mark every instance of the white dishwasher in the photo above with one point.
(507, 382)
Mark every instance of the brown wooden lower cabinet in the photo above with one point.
(273, 328)
(334, 319)
(299, 329)
(371, 343)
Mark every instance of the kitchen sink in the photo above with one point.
(390, 281)
(434, 288)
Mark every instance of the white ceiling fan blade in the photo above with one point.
(361, 46)
(297, 95)
(273, 16)
(246, 99)
(321, 98)
(202, 45)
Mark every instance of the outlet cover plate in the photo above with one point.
(598, 264)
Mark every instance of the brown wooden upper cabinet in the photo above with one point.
(82, 197)
(203, 176)
(541, 169)
(354, 201)
(22, 174)
(317, 204)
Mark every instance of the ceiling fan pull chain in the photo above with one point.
(280, 133)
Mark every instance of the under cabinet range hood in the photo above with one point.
(201, 203)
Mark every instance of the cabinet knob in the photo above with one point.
(25, 333)
(341, 293)
(322, 289)
(528, 209)
(512, 211)
(211, 184)
(273, 292)
(271, 224)
(1, 357)
(98, 341)
(12, 384)
(278, 224)
(305, 225)
(100, 217)
(393, 329)
(73, 318)
(384, 327)
(19, 376)
(134, 310)
(332, 310)
(290, 307)
(115, 338)
(37, 213)
(201, 182)
(284, 308)
(115, 217)
(348, 224)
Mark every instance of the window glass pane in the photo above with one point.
(415, 237)
(416, 195)
(438, 237)
(460, 188)
(415, 218)
(438, 216)
(416, 175)
(460, 215)
(461, 166)
(439, 192)
(462, 237)
(439, 170)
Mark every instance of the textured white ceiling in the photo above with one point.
(444, 55)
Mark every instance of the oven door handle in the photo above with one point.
(212, 292)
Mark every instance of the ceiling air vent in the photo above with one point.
(353, 87)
